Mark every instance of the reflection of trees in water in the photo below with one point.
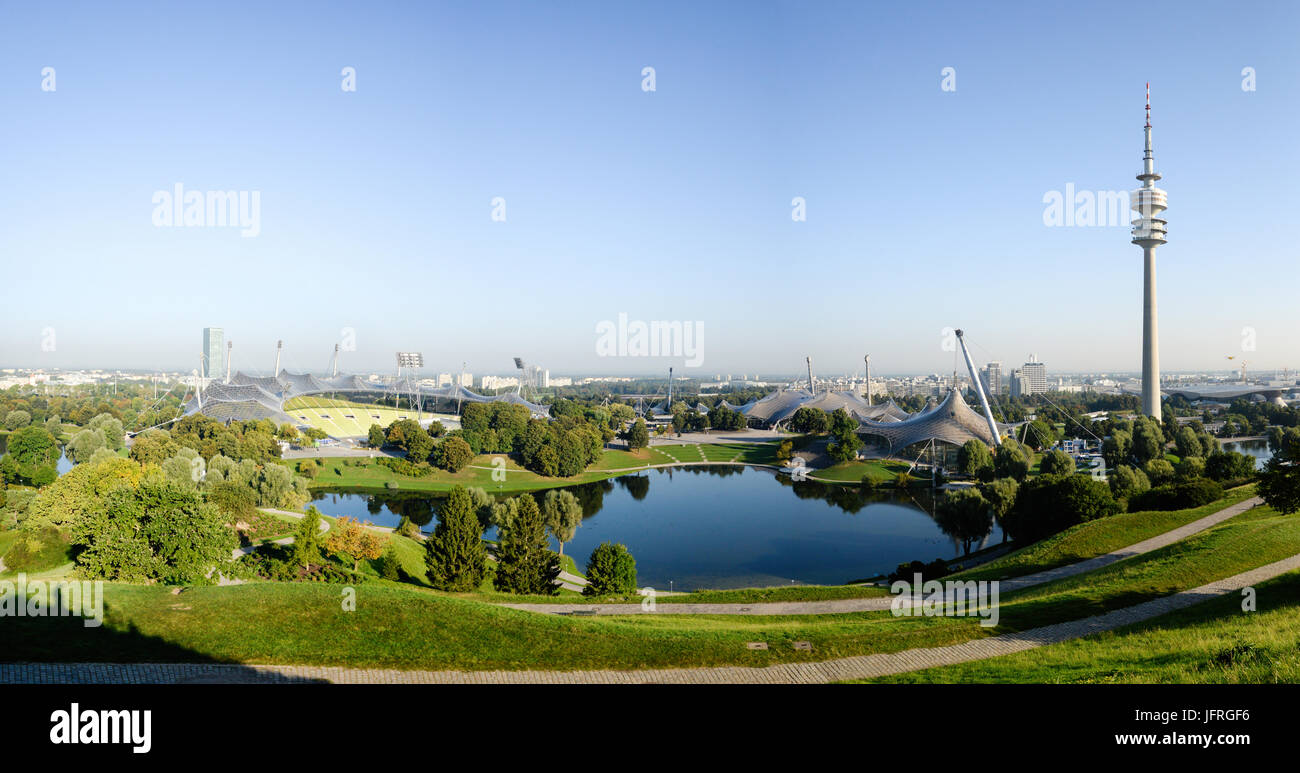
(851, 499)
(419, 508)
(636, 485)
(590, 495)
(720, 470)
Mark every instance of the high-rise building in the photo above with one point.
(1035, 373)
(213, 340)
(991, 377)
(1149, 233)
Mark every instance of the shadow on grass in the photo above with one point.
(32, 644)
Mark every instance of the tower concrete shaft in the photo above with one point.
(1149, 202)
(866, 360)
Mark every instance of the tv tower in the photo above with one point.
(1149, 233)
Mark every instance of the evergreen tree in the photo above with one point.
(525, 562)
(611, 570)
(454, 552)
(306, 541)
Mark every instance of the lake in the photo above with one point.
(722, 527)
(1255, 448)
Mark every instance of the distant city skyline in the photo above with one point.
(925, 205)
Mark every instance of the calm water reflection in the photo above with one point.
(1255, 448)
(722, 527)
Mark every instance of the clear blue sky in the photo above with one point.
(925, 207)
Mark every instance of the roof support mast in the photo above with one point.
(979, 390)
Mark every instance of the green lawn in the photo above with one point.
(880, 470)
(1215, 643)
(736, 596)
(1095, 538)
(685, 454)
(304, 623)
(365, 473)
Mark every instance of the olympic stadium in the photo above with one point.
(304, 399)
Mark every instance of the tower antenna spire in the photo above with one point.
(1148, 105)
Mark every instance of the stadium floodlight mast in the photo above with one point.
(411, 361)
(526, 379)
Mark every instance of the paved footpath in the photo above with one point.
(858, 667)
(879, 603)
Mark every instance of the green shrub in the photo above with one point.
(611, 570)
(388, 565)
(1177, 496)
(931, 571)
(1050, 503)
(37, 551)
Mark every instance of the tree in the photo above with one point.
(1010, 462)
(974, 459)
(1127, 482)
(306, 540)
(1148, 440)
(965, 515)
(611, 570)
(784, 450)
(1117, 449)
(389, 565)
(482, 503)
(84, 444)
(846, 442)
(1186, 443)
(1159, 471)
(418, 446)
(1049, 503)
(638, 436)
(1178, 496)
(454, 553)
(376, 437)
(724, 418)
(34, 452)
(809, 421)
(110, 427)
(1190, 467)
(80, 491)
(525, 562)
(1056, 462)
(1001, 496)
(1040, 435)
(158, 531)
(1279, 483)
(453, 454)
(1229, 465)
(351, 538)
(563, 515)
(17, 419)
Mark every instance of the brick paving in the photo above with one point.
(858, 667)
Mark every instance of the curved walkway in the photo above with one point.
(857, 667)
(245, 550)
(879, 603)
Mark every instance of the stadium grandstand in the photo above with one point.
(247, 398)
